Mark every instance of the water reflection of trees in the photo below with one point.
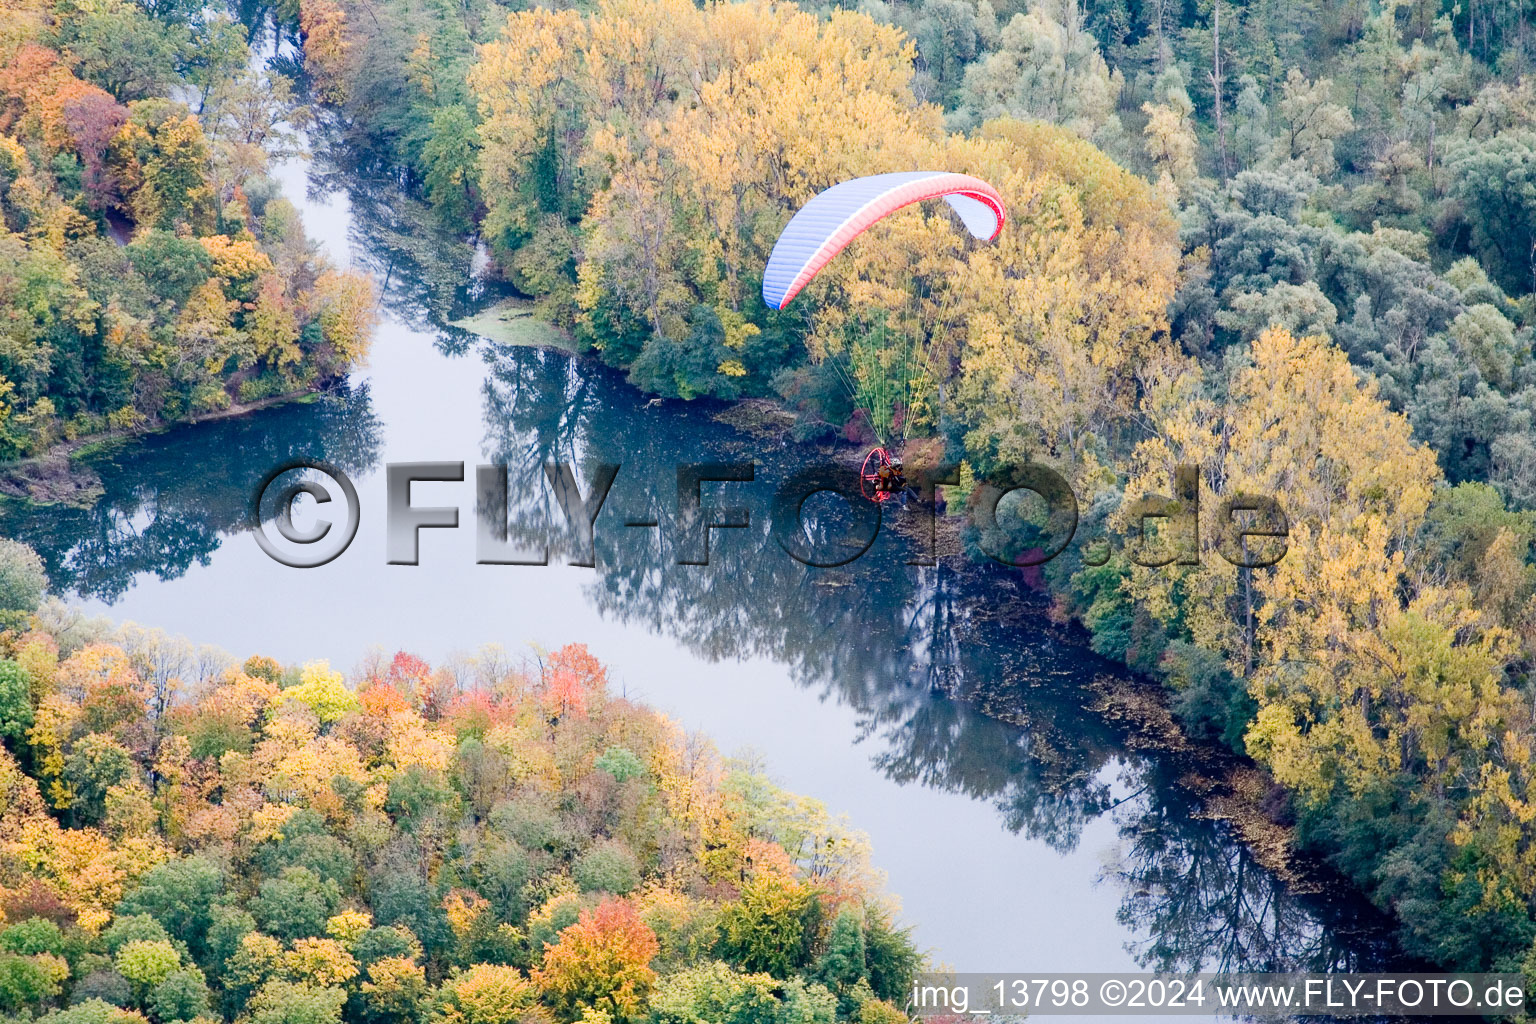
(170, 499)
(425, 273)
(959, 677)
(1200, 902)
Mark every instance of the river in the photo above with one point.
(1026, 838)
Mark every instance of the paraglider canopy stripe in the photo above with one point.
(837, 216)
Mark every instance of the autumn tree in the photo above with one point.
(344, 304)
(486, 994)
(601, 962)
(298, 879)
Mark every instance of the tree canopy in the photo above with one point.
(563, 854)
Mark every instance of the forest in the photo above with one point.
(1289, 243)
(149, 270)
(496, 840)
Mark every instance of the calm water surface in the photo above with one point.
(1027, 838)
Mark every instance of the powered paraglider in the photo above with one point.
(885, 370)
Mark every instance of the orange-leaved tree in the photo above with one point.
(601, 962)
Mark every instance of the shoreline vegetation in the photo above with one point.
(515, 322)
(495, 840)
(56, 477)
(150, 271)
(1229, 786)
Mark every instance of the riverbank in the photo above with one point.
(57, 477)
(1227, 788)
(1215, 785)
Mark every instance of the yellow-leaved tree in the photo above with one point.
(676, 143)
(1359, 669)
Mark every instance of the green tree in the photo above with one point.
(1046, 67)
(180, 894)
(306, 843)
(173, 267)
(217, 56)
(93, 1011)
(765, 929)
(621, 763)
(608, 866)
(26, 982)
(95, 765)
(146, 964)
(22, 579)
(32, 936)
(716, 993)
(104, 986)
(181, 995)
(126, 928)
(15, 700)
(1310, 121)
(842, 965)
(123, 50)
(296, 904)
(228, 924)
(1495, 180)
(285, 1002)
(392, 942)
(891, 956)
(950, 34)
(450, 158)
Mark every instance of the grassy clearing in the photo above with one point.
(512, 322)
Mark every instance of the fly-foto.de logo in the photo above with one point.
(1248, 531)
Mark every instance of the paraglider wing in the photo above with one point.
(837, 216)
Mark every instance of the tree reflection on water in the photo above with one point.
(170, 499)
(960, 677)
